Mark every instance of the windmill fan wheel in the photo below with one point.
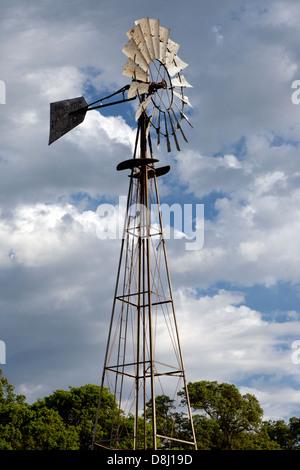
(157, 81)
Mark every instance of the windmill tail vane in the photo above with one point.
(65, 115)
(143, 365)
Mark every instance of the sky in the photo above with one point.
(236, 298)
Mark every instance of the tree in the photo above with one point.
(65, 420)
(24, 428)
(295, 432)
(78, 406)
(169, 423)
(127, 432)
(287, 436)
(7, 394)
(233, 415)
(9, 421)
(164, 416)
(28, 429)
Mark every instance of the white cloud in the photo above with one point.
(224, 340)
(279, 15)
(277, 403)
(204, 174)
(31, 392)
(104, 131)
(219, 37)
(56, 83)
(253, 236)
(250, 244)
(46, 234)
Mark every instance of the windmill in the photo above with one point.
(143, 365)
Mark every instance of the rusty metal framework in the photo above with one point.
(143, 366)
(143, 358)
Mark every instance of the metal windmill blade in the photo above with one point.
(155, 70)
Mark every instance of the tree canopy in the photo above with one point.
(228, 419)
(224, 419)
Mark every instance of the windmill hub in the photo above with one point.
(153, 87)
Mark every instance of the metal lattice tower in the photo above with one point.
(143, 356)
(143, 367)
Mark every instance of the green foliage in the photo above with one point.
(64, 420)
(224, 419)
(164, 416)
(127, 430)
(287, 436)
(77, 407)
(23, 428)
(229, 420)
(7, 394)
